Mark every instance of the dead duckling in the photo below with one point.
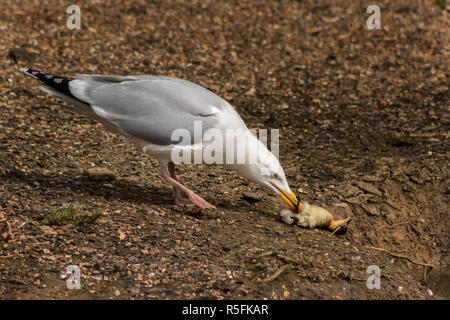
(312, 216)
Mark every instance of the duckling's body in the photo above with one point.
(312, 216)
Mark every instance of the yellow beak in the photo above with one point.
(290, 199)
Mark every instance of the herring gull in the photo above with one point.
(147, 110)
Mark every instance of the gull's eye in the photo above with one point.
(274, 175)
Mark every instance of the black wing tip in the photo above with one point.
(60, 84)
(31, 72)
(43, 76)
(28, 71)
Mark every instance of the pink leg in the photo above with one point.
(194, 199)
(177, 195)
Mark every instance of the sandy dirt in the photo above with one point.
(364, 122)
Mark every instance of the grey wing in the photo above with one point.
(151, 107)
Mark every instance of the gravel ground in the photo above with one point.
(364, 121)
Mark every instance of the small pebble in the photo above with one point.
(100, 174)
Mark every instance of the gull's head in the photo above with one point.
(267, 171)
(273, 177)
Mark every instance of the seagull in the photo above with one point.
(147, 109)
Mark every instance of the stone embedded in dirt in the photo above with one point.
(372, 178)
(367, 187)
(355, 200)
(100, 174)
(87, 250)
(371, 210)
(20, 54)
(154, 251)
(439, 281)
(418, 176)
(252, 197)
(136, 289)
